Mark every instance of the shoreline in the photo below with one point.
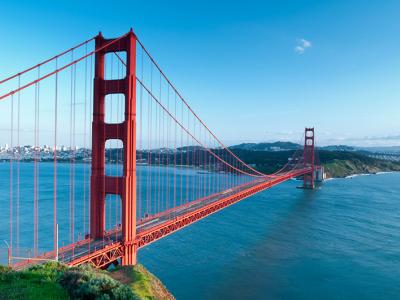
(362, 174)
(53, 280)
(139, 164)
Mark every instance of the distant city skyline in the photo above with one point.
(278, 66)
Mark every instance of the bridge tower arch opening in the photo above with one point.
(101, 184)
(309, 158)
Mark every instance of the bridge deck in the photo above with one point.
(101, 252)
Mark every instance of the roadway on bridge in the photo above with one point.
(90, 246)
(115, 236)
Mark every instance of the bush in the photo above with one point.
(86, 283)
(50, 271)
(7, 274)
(38, 282)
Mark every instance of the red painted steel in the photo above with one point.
(102, 248)
(158, 232)
(58, 70)
(103, 257)
(101, 185)
(308, 179)
(111, 252)
(46, 61)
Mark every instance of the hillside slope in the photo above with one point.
(336, 163)
(342, 164)
(57, 281)
(144, 284)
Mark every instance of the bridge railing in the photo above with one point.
(46, 150)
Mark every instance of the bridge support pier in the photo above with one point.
(130, 257)
(308, 179)
(125, 185)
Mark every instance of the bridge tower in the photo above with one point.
(308, 179)
(125, 185)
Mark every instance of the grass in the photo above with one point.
(57, 281)
(143, 284)
(346, 167)
(35, 284)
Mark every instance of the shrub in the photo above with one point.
(38, 282)
(86, 283)
(50, 271)
(7, 274)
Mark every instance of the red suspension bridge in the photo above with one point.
(153, 168)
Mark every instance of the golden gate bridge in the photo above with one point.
(110, 96)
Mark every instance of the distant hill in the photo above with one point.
(339, 160)
(336, 163)
(283, 146)
(345, 163)
(337, 148)
(388, 149)
(275, 146)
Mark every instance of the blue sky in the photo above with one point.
(253, 70)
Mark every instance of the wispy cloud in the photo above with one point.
(302, 45)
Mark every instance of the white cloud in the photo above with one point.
(302, 45)
(299, 49)
(305, 43)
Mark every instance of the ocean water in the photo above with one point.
(154, 183)
(340, 241)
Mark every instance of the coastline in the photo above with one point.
(361, 174)
(54, 280)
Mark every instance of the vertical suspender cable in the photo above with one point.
(38, 166)
(70, 154)
(18, 161)
(34, 174)
(11, 176)
(200, 165)
(55, 164)
(175, 150)
(73, 156)
(205, 164)
(149, 148)
(181, 160)
(90, 114)
(209, 168)
(156, 160)
(140, 178)
(168, 154)
(194, 161)
(187, 160)
(160, 191)
(84, 146)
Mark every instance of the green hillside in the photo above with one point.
(336, 163)
(57, 281)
